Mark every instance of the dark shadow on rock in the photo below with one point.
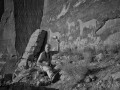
(93, 72)
(24, 86)
(28, 16)
(51, 89)
(44, 42)
(43, 45)
(56, 77)
(96, 70)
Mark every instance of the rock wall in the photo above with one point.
(7, 29)
(28, 16)
(80, 23)
(7, 35)
(19, 20)
(1, 8)
(17, 25)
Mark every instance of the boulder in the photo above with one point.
(34, 46)
(113, 39)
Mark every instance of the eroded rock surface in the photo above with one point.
(81, 23)
(34, 47)
(7, 29)
(7, 36)
(28, 16)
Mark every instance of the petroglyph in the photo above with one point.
(90, 24)
(79, 2)
(70, 25)
(64, 11)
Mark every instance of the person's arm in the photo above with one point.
(40, 59)
(58, 49)
(58, 45)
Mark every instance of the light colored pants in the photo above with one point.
(45, 68)
(48, 70)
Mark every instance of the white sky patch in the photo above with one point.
(64, 11)
(90, 24)
(78, 3)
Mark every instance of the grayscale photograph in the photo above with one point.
(59, 44)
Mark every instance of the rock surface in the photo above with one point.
(28, 16)
(19, 20)
(7, 29)
(10, 66)
(34, 47)
(81, 23)
(7, 37)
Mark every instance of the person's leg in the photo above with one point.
(48, 70)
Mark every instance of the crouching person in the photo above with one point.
(44, 60)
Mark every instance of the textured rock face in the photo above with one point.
(19, 20)
(7, 29)
(80, 23)
(7, 37)
(28, 15)
(34, 46)
(9, 66)
(15, 32)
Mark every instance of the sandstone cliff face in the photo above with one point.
(18, 24)
(7, 29)
(28, 16)
(19, 20)
(77, 23)
(7, 36)
(80, 23)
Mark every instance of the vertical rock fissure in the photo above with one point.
(1, 8)
(28, 17)
(43, 45)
